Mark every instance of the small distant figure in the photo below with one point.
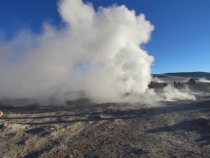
(174, 83)
(151, 85)
(164, 84)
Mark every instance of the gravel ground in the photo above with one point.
(168, 129)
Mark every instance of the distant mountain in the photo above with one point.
(185, 74)
(190, 74)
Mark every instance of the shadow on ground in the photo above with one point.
(199, 125)
(90, 112)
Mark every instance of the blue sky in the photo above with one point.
(179, 43)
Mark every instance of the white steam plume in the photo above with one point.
(97, 52)
(105, 43)
(172, 94)
(203, 80)
(157, 80)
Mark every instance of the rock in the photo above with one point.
(2, 127)
(201, 121)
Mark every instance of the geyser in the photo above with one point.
(96, 52)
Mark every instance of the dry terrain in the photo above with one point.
(175, 129)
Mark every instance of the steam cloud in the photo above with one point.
(203, 80)
(97, 52)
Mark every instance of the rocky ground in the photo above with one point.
(80, 129)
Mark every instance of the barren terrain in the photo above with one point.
(172, 129)
(82, 129)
